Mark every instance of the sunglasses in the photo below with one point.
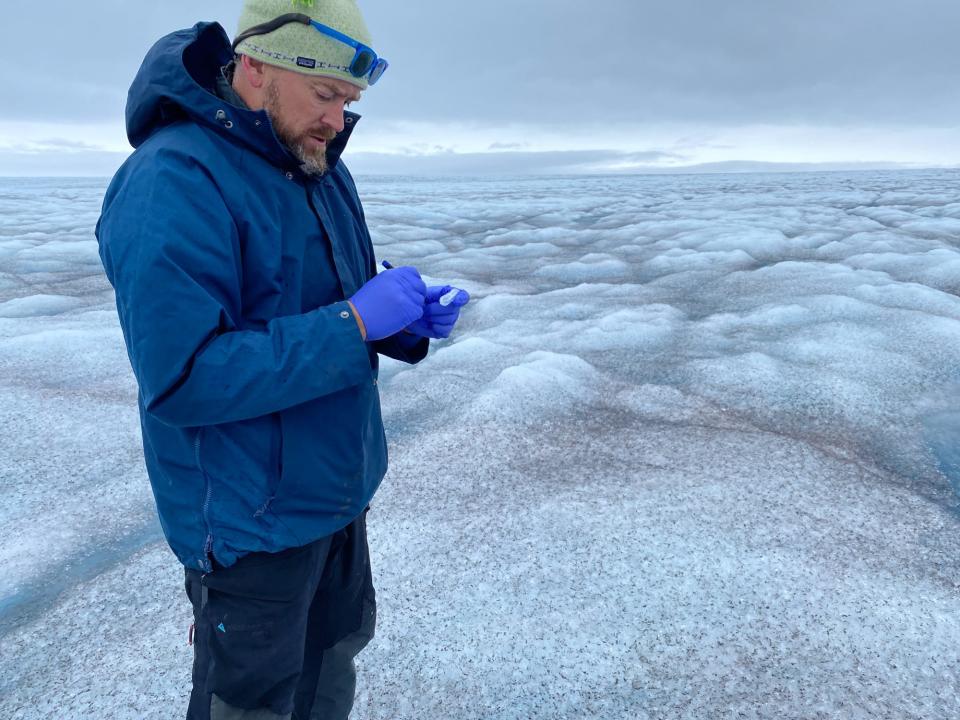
(365, 62)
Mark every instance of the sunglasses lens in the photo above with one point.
(377, 71)
(362, 63)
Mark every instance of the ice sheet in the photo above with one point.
(702, 461)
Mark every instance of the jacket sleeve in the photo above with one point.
(404, 347)
(171, 250)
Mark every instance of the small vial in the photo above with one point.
(449, 297)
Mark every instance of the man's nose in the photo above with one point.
(334, 118)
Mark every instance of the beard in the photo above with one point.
(312, 163)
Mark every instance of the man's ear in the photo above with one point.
(254, 71)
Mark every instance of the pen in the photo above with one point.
(444, 301)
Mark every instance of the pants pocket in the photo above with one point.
(254, 623)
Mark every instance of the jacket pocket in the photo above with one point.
(275, 470)
(244, 460)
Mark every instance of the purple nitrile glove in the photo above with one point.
(438, 320)
(389, 302)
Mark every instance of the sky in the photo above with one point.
(543, 85)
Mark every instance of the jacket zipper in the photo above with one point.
(208, 543)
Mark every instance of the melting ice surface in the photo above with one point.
(688, 454)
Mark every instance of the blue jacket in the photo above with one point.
(258, 396)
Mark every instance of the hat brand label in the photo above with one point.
(306, 62)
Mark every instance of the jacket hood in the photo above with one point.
(177, 82)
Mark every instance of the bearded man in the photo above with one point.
(253, 316)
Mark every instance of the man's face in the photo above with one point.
(307, 112)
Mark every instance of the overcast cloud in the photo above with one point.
(627, 76)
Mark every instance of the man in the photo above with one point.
(253, 316)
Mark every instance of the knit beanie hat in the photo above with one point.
(303, 48)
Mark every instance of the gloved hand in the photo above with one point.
(389, 302)
(437, 321)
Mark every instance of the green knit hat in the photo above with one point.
(303, 48)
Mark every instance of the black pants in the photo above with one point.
(278, 631)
